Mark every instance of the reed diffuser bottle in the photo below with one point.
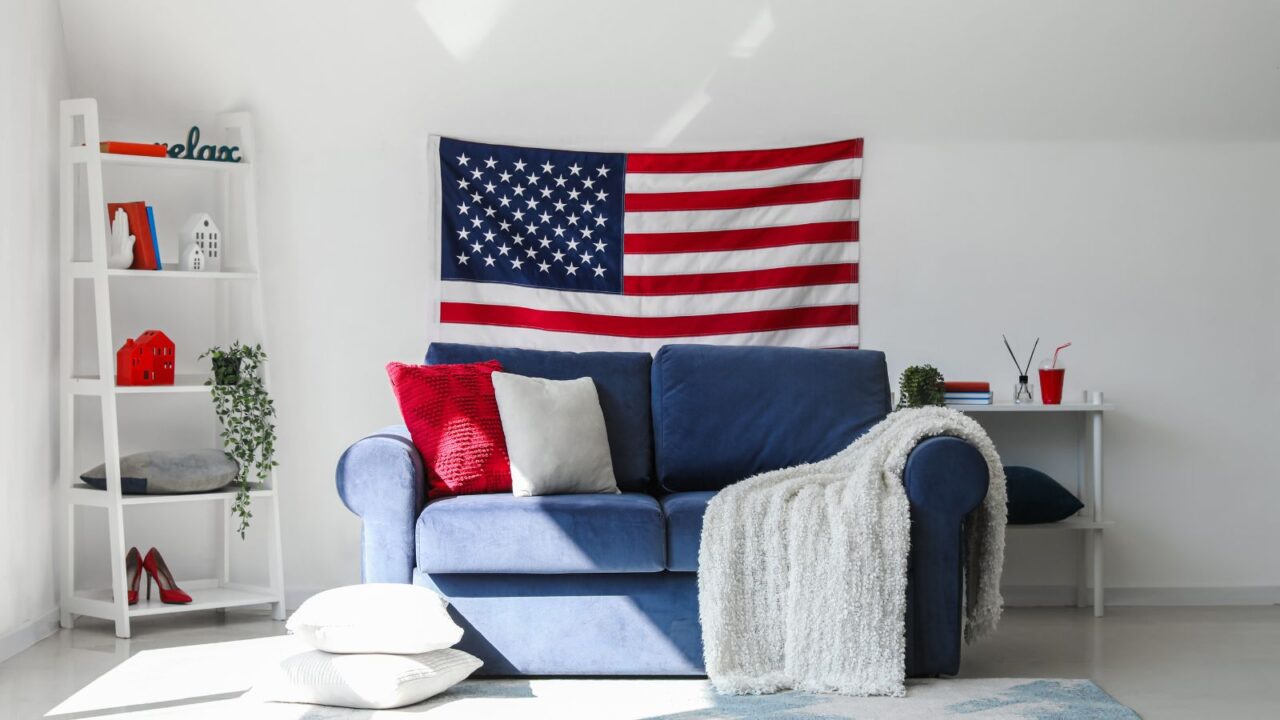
(1024, 391)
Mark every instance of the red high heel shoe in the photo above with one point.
(158, 571)
(133, 571)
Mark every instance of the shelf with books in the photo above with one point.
(86, 270)
(185, 274)
(1008, 407)
(237, 308)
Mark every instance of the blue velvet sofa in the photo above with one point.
(607, 584)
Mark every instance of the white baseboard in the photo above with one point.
(1065, 596)
(27, 635)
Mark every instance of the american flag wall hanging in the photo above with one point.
(569, 250)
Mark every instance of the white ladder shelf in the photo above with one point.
(79, 143)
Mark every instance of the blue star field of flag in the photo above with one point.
(532, 217)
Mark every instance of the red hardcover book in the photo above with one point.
(128, 148)
(144, 254)
(966, 386)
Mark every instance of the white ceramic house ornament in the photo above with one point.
(120, 244)
(193, 259)
(200, 230)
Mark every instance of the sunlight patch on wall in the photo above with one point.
(461, 26)
(683, 115)
(746, 44)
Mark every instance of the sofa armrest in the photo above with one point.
(946, 479)
(381, 479)
(945, 475)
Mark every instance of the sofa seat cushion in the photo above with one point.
(502, 533)
(722, 414)
(622, 382)
(684, 513)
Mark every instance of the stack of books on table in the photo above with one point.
(960, 392)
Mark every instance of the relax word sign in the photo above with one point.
(193, 150)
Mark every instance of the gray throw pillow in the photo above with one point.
(167, 471)
(555, 435)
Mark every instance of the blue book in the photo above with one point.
(155, 237)
(968, 396)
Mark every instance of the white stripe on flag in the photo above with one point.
(741, 218)
(581, 342)
(735, 260)
(647, 305)
(740, 180)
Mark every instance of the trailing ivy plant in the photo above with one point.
(920, 386)
(246, 415)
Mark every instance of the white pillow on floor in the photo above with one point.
(374, 682)
(555, 435)
(390, 618)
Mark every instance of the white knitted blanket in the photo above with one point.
(802, 572)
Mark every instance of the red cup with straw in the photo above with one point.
(1052, 376)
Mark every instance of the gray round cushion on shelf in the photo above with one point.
(167, 471)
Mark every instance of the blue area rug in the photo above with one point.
(987, 699)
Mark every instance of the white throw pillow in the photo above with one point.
(363, 681)
(555, 435)
(375, 618)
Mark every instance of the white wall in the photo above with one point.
(1089, 171)
(32, 81)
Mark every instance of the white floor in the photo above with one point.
(1198, 663)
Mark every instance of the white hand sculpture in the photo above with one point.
(120, 244)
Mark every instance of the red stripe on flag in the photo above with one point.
(735, 199)
(800, 276)
(750, 238)
(649, 327)
(742, 159)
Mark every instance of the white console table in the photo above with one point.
(1089, 521)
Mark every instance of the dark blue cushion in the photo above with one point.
(684, 513)
(1037, 498)
(622, 380)
(721, 414)
(501, 533)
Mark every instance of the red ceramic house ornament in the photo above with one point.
(145, 360)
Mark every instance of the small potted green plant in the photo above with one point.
(246, 415)
(920, 386)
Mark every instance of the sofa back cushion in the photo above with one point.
(722, 414)
(622, 381)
